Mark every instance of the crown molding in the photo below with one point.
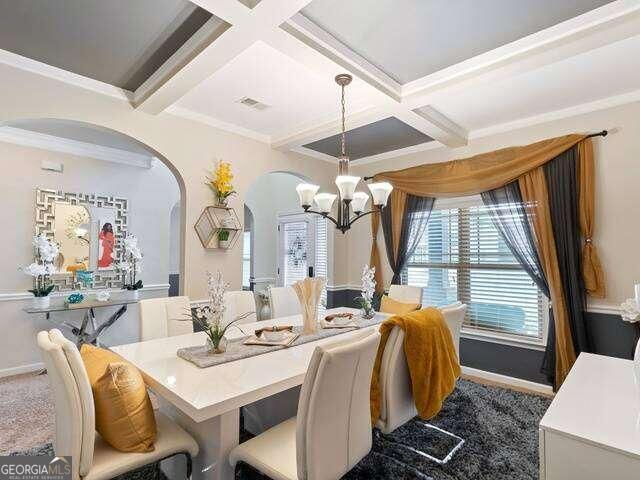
(312, 153)
(219, 124)
(55, 73)
(52, 143)
(574, 111)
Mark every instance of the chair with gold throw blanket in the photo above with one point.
(430, 368)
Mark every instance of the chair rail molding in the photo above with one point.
(23, 295)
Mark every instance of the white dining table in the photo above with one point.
(206, 401)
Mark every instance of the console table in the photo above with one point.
(591, 431)
(88, 305)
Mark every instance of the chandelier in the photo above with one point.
(349, 200)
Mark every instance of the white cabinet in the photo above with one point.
(591, 431)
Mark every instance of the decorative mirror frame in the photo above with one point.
(45, 200)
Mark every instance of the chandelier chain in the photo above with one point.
(344, 141)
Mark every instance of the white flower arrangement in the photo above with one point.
(630, 311)
(210, 317)
(131, 264)
(365, 300)
(41, 270)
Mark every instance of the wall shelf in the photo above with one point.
(213, 220)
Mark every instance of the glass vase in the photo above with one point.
(221, 347)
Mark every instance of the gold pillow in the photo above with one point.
(389, 305)
(124, 414)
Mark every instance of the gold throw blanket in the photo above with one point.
(431, 358)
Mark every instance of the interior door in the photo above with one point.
(296, 248)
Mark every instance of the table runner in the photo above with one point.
(200, 356)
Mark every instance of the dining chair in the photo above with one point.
(406, 294)
(284, 302)
(161, 317)
(397, 404)
(238, 303)
(75, 434)
(332, 430)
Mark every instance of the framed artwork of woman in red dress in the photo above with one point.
(106, 242)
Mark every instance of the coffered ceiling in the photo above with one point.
(426, 72)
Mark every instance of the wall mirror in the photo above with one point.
(88, 228)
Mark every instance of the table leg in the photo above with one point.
(90, 338)
(216, 438)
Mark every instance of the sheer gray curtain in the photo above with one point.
(509, 215)
(414, 222)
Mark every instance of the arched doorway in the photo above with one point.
(287, 244)
(109, 151)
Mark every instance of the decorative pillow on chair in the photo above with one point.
(389, 305)
(124, 414)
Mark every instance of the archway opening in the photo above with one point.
(90, 187)
(286, 245)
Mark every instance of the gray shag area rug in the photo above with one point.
(499, 426)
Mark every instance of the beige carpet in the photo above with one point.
(26, 413)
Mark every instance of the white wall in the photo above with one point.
(191, 149)
(270, 195)
(617, 191)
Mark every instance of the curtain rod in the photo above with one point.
(603, 133)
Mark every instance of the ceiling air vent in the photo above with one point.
(251, 103)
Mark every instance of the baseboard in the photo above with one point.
(511, 381)
(9, 372)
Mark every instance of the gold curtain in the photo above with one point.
(374, 261)
(533, 186)
(479, 173)
(398, 200)
(592, 272)
(491, 170)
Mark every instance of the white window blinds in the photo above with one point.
(461, 256)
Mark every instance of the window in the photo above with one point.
(295, 251)
(461, 256)
(246, 261)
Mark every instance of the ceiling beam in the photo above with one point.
(199, 59)
(603, 26)
(303, 40)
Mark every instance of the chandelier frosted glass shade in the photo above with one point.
(380, 192)
(306, 192)
(324, 201)
(347, 186)
(359, 202)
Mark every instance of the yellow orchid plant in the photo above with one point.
(220, 182)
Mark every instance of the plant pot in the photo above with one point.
(133, 294)
(224, 243)
(217, 349)
(41, 302)
(367, 314)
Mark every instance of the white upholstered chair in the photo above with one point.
(75, 435)
(239, 303)
(406, 294)
(284, 302)
(332, 430)
(397, 403)
(161, 317)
